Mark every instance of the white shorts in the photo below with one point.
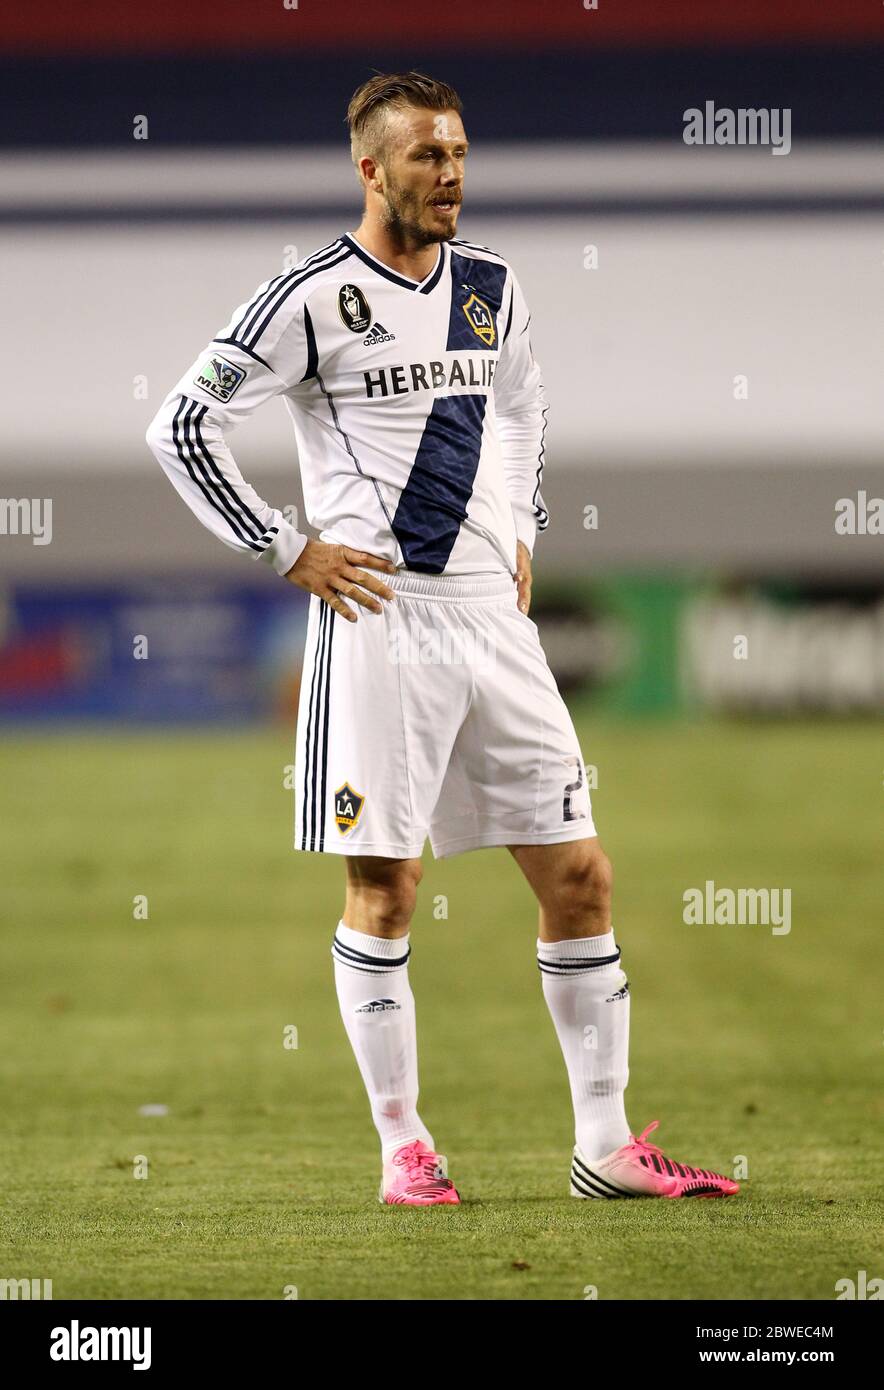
(438, 717)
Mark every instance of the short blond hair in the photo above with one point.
(370, 104)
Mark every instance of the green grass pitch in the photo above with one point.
(262, 1176)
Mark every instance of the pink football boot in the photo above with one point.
(640, 1169)
(414, 1176)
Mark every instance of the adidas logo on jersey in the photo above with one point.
(378, 1006)
(378, 334)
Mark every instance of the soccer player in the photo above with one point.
(427, 707)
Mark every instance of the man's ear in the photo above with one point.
(369, 170)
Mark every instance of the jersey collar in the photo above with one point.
(422, 286)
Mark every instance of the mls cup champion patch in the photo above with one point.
(354, 309)
(348, 805)
(219, 377)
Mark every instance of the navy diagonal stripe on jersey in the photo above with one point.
(487, 281)
(254, 336)
(433, 504)
(188, 455)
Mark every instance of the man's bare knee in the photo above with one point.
(382, 894)
(585, 885)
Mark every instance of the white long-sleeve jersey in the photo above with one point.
(418, 408)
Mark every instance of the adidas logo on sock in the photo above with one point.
(378, 1006)
(377, 334)
(621, 994)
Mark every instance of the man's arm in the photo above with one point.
(520, 406)
(188, 437)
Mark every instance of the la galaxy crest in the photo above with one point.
(348, 806)
(354, 308)
(480, 318)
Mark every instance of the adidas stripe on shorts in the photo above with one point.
(438, 717)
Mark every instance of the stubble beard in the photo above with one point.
(401, 217)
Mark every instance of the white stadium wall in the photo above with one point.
(708, 271)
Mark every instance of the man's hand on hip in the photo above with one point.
(523, 576)
(331, 571)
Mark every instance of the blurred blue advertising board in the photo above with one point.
(169, 650)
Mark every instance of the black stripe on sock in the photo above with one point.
(350, 954)
(562, 967)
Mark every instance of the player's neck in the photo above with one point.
(415, 262)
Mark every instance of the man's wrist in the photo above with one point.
(526, 527)
(286, 549)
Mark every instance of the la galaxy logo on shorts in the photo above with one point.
(348, 805)
(354, 309)
(480, 318)
(219, 377)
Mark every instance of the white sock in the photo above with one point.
(582, 983)
(377, 1006)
